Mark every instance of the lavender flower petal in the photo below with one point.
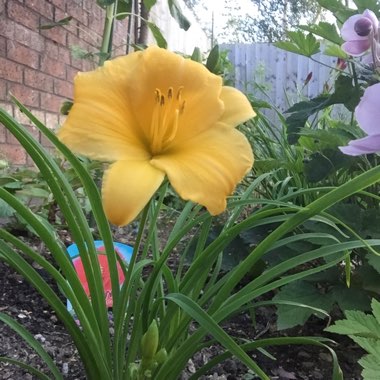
(367, 112)
(366, 145)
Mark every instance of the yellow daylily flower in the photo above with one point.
(155, 114)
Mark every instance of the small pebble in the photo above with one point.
(65, 368)
(40, 338)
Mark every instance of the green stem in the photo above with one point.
(107, 33)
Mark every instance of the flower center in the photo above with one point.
(363, 26)
(165, 119)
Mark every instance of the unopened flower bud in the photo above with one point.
(161, 356)
(363, 27)
(149, 341)
(308, 78)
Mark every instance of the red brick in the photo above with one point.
(39, 80)
(3, 136)
(22, 15)
(59, 3)
(64, 55)
(42, 7)
(3, 47)
(23, 119)
(7, 28)
(72, 26)
(75, 8)
(52, 120)
(22, 54)
(29, 38)
(3, 90)
(11, 140)
(63, 88)
(90, 37)
(11, 71)
(96, 24)
(51, 49)
(57, 34)
(28, 96)
(14, 153)
(71, 72)
(53, 67)
(51, 102)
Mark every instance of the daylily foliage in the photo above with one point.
(155, 114)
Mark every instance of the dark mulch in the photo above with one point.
(21, 301)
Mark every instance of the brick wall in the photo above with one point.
(37, 66)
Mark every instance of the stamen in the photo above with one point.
(165, 119)
(179, 93)
(182, 108)
(158, 95)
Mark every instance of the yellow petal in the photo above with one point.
(198, 88)
(127, 188)
(207, 168)
(237, 108)
(101, 124)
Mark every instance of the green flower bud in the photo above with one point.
(161, 356)
(149, 341)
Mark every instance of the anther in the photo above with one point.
(158, 95)
(179, 93)
(162, 100)
(170, 92)
(182, 108)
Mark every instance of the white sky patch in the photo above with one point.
(217, 9)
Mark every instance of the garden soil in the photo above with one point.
(19, 300)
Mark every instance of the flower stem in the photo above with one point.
(107, 34)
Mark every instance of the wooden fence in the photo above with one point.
(278, 76)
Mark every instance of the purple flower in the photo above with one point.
(358, 32)
(367, 114)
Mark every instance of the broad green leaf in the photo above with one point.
(300, 43)
(371, 345)
(5, 209)
(104, 3)
(124, 7)
(300, 112)
(374, 261)
(7, 180)
(34, 192)
(149, 3)
(340, 11)
(375, 305)
(371, 367)
(351, 298)
(160, 39)
(333, 50)
(176, 12)
(346, 93)
(304, 293)
(373, 5)
(325, 30)
(213, 59)
(197, 55)
(356, 323)
(322, 164)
